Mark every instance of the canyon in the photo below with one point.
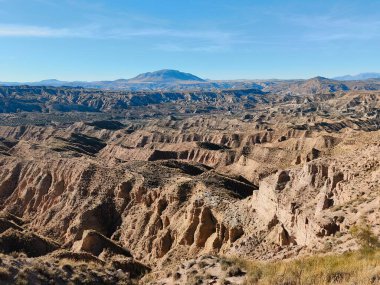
(134, 183)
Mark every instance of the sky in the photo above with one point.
(214, 39)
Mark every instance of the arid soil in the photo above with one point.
(286, 175)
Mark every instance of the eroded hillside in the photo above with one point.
(264, 176)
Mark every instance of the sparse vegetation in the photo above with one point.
(364, 236)
(49, 270)
(194, 280)
(234, 271)
(350, 268)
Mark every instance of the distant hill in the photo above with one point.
(316, 85)
(321, 85)
(165, 75)
(360, 76)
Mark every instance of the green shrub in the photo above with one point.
(364, 236)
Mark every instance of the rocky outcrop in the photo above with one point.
(95, 243)
(7, 224)
(13, 240)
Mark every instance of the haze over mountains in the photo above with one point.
(168, 79)
(360, 76)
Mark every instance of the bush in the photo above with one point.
(234, 271)
(364, 236)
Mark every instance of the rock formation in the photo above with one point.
(291, 175)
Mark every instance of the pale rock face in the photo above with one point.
(297, 222)
(198, 226)
(170, 193)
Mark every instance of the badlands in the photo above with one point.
(187, 187)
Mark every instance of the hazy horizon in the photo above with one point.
(209, 79)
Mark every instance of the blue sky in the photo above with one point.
(224, 39)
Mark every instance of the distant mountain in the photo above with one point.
(174, 80)
(161, 79)
(360, 76)
(165, 75)
(50, 82)
(47, 82)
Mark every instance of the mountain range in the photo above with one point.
(360, 76)
(174, 80)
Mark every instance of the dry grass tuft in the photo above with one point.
(360, 268)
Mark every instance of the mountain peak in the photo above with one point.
(50, 81)
(167, 76)
(319, 78)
